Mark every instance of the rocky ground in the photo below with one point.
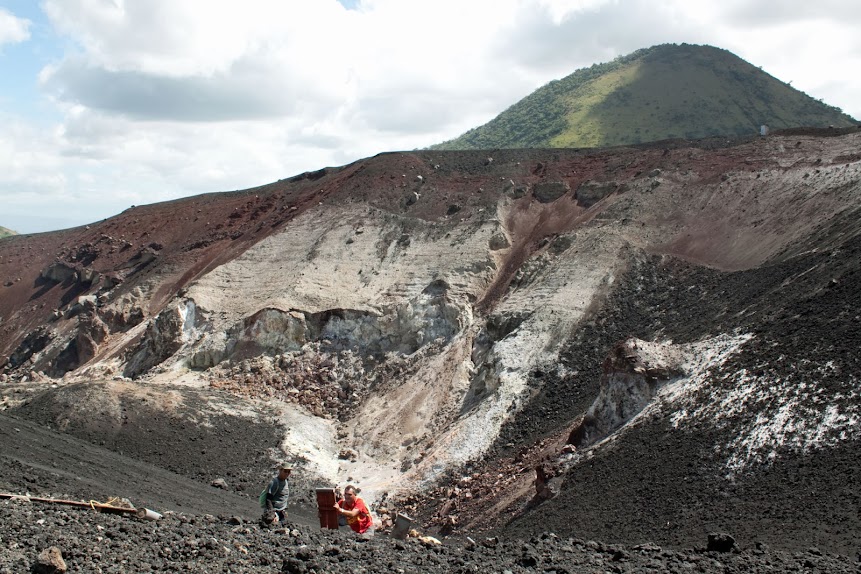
(679, 481)
(659, 524)
(45, 463)
(86, 541)
(672, 484)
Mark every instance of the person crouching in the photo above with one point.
(354, 510)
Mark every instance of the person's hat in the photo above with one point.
(285, 466)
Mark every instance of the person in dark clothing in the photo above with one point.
(278, 493)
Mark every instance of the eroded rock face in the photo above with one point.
(402, 330)
(83, 347)
(32, 344)
(164, 336)
(92, 331)
(632, 375)
(124, 312)
(485, 379)
(271, 331)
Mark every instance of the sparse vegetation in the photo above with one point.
(652, 94)
(6, 232)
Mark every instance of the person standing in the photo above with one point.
(278, 493)
(354, 510)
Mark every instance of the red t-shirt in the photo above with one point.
(361, 522)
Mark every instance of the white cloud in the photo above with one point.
(163, 98)
(743, 13)
(246, 93)
(12, 29)
(548, 39)
(22, 149)
(815, 47)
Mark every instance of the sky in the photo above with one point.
(105, 104)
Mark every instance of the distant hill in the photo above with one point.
(667, 91)
(6, 232)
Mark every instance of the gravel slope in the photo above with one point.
(42, 462)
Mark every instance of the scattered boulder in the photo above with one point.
(269, 520)
(548, 481)
(88, 277)
(491, 542)
(591, 192)
(141, 259)
(550, 191)
(348, 454)
(59, 272)
(429, 541)
(111, 281)
(498, 241)
(50, 561)
(720, 542)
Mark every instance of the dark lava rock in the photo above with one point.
(720, 542)
(50, 561)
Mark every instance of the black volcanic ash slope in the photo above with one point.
(662, 484)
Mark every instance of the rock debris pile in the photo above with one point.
(327, 383)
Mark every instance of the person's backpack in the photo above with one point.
(262, 497)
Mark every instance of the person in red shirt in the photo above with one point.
(354, 510)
